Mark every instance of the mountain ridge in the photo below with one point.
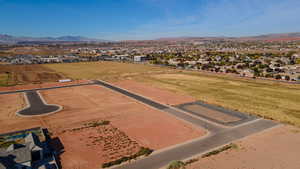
(4, 38)
(268, 37)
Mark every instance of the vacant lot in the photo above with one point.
(274, 149)
(155, 93)
(10, 104)
(42, 85)
(265, 98)
(26, 74)
(99, 144)
(152, 128)
(104, 70)
(268, 99)
(130, 121)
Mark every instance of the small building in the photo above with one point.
(139, 58)
(64, 80)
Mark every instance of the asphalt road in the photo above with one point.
(242, 116)
(182, 152)
(37, 106)
(219, 135)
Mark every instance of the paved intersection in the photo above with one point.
(218, 134)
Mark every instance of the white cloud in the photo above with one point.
(222, 17)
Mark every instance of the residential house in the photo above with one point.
(32, 154)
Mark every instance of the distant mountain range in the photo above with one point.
(8, 39)
(13, 39)
(267, 37)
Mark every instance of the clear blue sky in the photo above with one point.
(148, 19)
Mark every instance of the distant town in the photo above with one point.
(272, 59)
(118, 102)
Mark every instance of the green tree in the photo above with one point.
(287, 77)
(256, 72)
(278, 77)
(268, 75)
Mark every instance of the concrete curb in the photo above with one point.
(28, 105)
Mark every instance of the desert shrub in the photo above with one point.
(215, 152)
(97, 123)
(141, 152)
(145, 151)
(191, 161)
(176, 165)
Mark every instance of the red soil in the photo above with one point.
(9, 121)
(42, 85)
(147, 126)
(274, 149)
(99, 145)
(157, 94)
(151, 127)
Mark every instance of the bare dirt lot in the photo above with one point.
(27, 74)
(9, 121)
(211, 113)
(99, 145)
(152, 128)
(155, 93)
(42, 85)
(148, 127)
(277, 148)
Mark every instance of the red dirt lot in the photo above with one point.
(112, 143)
(9, 121)
(41, 85)
(151, 127)
(277, 148)
(144, 125)
(157, 94)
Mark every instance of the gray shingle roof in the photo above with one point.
(19, 153)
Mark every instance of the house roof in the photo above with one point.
(8, 159)
(34, 141)
(19, 153)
